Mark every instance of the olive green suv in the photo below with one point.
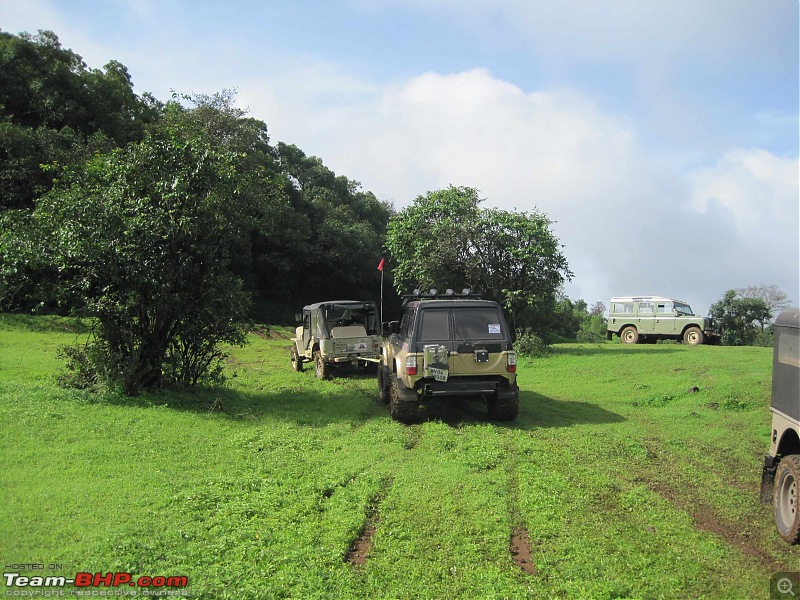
(646, 319)
(780, 478)
(448, 345)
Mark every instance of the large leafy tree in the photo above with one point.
(446, 239)
(144, 236)
(742, 318)
(53, 109)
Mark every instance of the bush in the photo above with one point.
(530, 343)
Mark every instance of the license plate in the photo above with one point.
(439, 374)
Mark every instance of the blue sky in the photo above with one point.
(661, 137)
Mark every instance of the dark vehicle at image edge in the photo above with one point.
(448, 345)
(780, 478)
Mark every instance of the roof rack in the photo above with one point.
(466, 294)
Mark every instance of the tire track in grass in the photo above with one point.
(359, 549)
(520, 543)
(684, 496)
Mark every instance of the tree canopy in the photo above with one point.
(445, 239)
(742, 318)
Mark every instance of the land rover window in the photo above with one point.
(435, 325)
(645, 308)
(622, 307)
(684, 309)
(664, 308)
(477, 324)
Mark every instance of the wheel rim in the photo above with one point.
(318, 365)
(786, 509)
(629, 336)
(693, 337)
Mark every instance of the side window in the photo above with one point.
(664, 307)
(406, 324)
(645, 308)
(435, 325)
(307, 323)
(789, 349)
(622, 307)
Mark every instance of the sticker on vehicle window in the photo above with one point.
(494, 327)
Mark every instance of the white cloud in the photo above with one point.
(632, 222)
(759, 188)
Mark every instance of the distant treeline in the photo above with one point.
(315, 235)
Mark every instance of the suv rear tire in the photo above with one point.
(505, 409)
(629, 335)
(321, 368)
(787, 489)
(383, 388)
(405, 412)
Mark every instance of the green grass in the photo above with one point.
(628, 484)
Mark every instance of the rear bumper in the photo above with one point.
(467, 386)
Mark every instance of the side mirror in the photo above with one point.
(298, 318)
(390, 328)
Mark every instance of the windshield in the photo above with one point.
(344, 315)
(684, 309)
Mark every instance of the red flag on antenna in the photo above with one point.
(380, 265)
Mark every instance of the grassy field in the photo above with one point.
(617, 479)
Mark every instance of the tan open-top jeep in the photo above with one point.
(780, 478)
(448, 345)
(336, 334)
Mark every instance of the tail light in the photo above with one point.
(511, 362)
(411, 365)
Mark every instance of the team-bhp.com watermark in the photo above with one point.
(118, 585)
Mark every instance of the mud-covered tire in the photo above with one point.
(787, 489)
(321, 369)
(297, 362)
(629, 335)
(693, 336)
(404, 412)
(383, 388)
(503, 409)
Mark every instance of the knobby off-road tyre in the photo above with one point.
(321, 369)
(297, 363)
(693, 336)
(787, 486)
(383, 388)
(505, 409)
(404, 412)
(629, 335)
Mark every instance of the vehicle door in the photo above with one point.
(306, 338)
(665, 318)
(479, 335)
(646, 318)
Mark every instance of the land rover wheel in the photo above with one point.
(405, 412)
(693, 336)
(321, 368)
(787, 486)
(297, 363)
(629, 335)
(383, 388)
(503, 409)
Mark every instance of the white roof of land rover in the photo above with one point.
(645, 299)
